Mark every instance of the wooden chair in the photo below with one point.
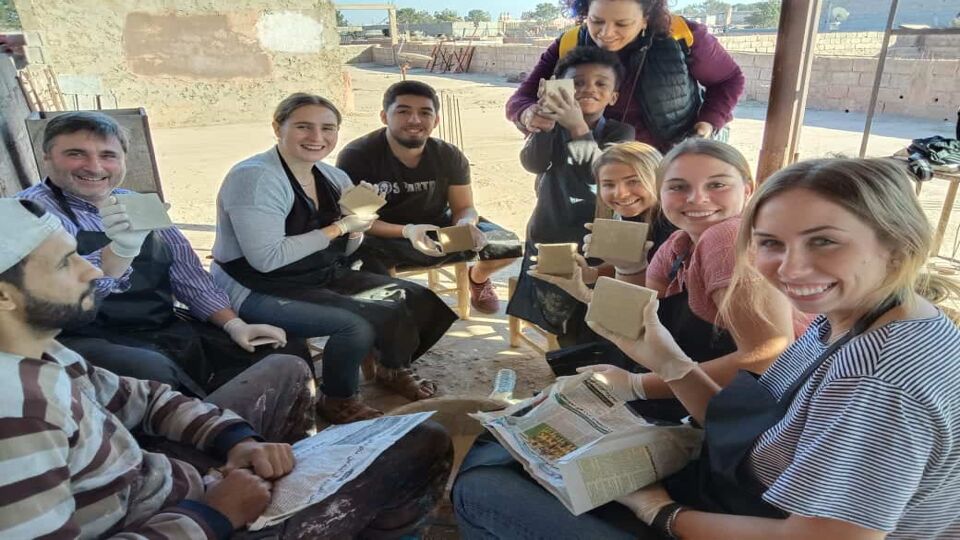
(143, 175)
(450, 279)
(547, 342)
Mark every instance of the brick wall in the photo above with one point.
(923, 88)
(859, 44)
(17, 167)
(926, 88)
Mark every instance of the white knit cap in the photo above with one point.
(21, 231)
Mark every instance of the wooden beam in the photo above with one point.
(788, 87)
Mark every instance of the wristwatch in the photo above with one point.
(663, 522)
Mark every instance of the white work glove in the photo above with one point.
(479, 238)
(417, 235)
(646, 503)
(574, 285)
(656, 349)
(116, 224)
(623, 384)
(355, 224)
(244, 334)
(624, 268)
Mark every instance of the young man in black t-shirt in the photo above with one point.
(426, 182)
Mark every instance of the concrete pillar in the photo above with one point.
(394, 33)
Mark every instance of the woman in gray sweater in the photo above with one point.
(284, 253)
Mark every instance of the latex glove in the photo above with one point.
(647, 502)
(534, 122)
(656, 349)
(123, 241)
(623, 267)
(355, 224)
(623, 384)
(417, 235)
(574, 285)
(242, 333)
(268, 460)
(479, 238)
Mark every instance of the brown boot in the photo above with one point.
(345, 410)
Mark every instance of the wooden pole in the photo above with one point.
(789, 84)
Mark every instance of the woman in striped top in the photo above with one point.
(854, 432)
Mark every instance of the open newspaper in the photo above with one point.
(585, 446)
(330, 459)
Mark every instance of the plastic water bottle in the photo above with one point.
(504, 384)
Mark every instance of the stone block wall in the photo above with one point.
(191, 62)
(499, 59)
(923, 87)
(17, 167)
(926, 89)
(857, 44)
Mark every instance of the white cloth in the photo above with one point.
(31, 231)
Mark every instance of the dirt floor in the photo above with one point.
(194, 160)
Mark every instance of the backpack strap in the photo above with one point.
(568, 40)
(680, 31)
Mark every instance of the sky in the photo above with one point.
(494, 7)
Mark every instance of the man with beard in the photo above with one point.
(426, 182)
(138, 331)
(70, 466)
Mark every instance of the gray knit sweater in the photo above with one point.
(252, 209)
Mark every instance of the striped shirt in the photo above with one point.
(69, 466)
(192, 285)
(873, 437)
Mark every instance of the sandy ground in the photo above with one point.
(194, 160)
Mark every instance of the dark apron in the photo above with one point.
(720, 481)
(145, 316)
(408, 318)
(547, 305)
(699, 339)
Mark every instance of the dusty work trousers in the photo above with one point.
(389, 499)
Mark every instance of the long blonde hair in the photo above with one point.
(879, 193)
(643, 159)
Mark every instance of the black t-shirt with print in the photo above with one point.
(417, 195)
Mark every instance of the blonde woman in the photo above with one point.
(703, 186)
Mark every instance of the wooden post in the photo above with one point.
(788, 87)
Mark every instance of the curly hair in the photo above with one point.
(656, 12)
(590, 55)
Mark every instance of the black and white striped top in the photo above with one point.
(873, 438)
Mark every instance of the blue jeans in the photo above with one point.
(351, 336)
(494, 498)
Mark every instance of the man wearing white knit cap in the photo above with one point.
(138, 331)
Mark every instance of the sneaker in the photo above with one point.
(483, 297)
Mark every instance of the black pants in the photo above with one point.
(191, 356)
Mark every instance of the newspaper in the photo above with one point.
(585, 446)
(330, 459)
